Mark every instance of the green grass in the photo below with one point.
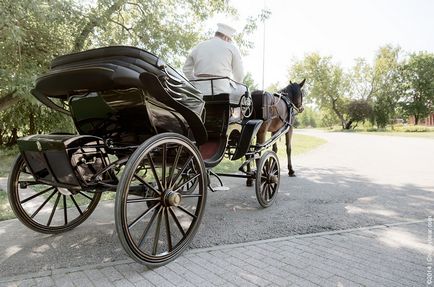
(300, 144)
(395, 130)
(7, 158)
(5, 209)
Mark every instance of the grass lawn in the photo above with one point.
(402, 134)
(300, 144)
(396, 130)
(7, 158)
(5, 209)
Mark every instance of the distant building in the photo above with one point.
(428, 121)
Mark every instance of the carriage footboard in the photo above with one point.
(67, 161)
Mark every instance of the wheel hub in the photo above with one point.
(172, 198)
(273, 179)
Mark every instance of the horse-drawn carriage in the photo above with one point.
(144, 132)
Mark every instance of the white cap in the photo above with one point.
(226, 30)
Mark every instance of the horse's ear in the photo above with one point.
(302, 83)
(290, 82)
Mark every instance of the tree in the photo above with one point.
(250, 82)
(417, 82)
(326, 84)
(33, 32)
(358, 111)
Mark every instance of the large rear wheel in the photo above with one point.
(155, 226)
(46, 208)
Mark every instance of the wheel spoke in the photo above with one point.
(148, 227)
(65, 212)
(169, 235)
(174, 166)
(54, 209)
(43, 204)
(182, 170)
(191, 195)
(85, 195)
(76, 205)
(36, 195)
(177, 221)
(273, 187)
(131, 225)
(186, 211)
(157, 233)
(270, 195)
(273, 167)
(187, 182)
(147, 184)
(163, 166)
(135, 200)
(154, 171)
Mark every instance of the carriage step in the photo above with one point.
(220, 188)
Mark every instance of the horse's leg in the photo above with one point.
(275, 144)
(249, 181)
(288, 138)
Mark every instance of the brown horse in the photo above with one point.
(279, 115)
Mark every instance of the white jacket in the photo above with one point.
(214, 57)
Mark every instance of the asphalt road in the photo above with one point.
(353, 180)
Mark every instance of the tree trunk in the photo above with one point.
(416, 120)
(6, 101)
(95, 21)
(32, 128)
(13, 138)
(340, 116)
(348, 124)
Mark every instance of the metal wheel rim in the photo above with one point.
(159, 215)
(267, 179)
(61, 203)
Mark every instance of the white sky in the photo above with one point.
(343, 29)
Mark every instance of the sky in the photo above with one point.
(343, 29)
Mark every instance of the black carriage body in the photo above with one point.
(124, 94)
(66, 161)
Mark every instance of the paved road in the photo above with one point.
(354, 180)
(375, 256)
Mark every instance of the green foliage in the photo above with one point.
(382, 91)
(358, 111)
(33, 32)
(309, 118)
(417, 82)
(326, 84)
(274, 87)
(250, 82)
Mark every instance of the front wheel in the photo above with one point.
(267, 179)
(155, 227)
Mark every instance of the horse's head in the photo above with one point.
(295, 94)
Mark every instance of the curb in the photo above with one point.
(61, 271)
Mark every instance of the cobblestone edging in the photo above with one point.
(352, 257)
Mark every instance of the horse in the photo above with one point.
(279, 115)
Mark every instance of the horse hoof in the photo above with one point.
(291, 174)
(249, 183)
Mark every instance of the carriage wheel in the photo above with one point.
(267, 178)
(155, 227)
(46, 208)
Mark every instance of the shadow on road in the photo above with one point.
(317, 200)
